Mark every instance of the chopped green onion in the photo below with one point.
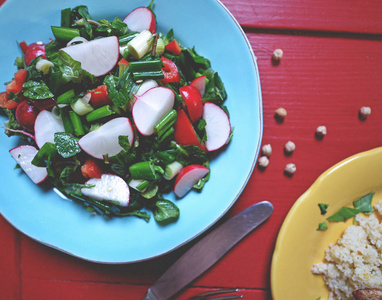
(77, 123)
(148, 75)
(81, 107)
(139, 184)
(68, 126)
(66, 97)
(64, 33)
(145, 170)
(141, 44)
(148, 65)
(160, 47)
(172, 170)
(65, 17)
(166, 122)
(99, 113)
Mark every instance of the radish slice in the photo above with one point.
(98, 56)
(140, 19)
(151, 107)
(146, 85)
(24, 155)
(218, 127)
(108, 188)
(187, 178)
(45, 126)
(104, 140)
(200, 84)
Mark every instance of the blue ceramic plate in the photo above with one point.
(46, 217)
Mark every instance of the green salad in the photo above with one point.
(116, 115)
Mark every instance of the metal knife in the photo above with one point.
(208, 251)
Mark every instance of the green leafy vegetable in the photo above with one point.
(37, 90)
(323, 208)
(343, 214)
(165, 212)
(322, 226)
(66, 144)
(364, 204)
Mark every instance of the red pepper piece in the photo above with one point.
(99, 96)
(91, 169)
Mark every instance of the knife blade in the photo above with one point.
(208, 251)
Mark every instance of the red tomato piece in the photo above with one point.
(123, 62)
(170, 71)
(99, 96)
(173, 47)
(16, 85)
(6, 103)
(91, 169)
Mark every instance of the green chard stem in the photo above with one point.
(99, 113)
(77, 123)
(64, 33)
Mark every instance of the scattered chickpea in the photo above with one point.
(289, 147)
(277, 54)
(263, 162)
(266, 150)
(280, 113)
(364, 112)
(290, 169)
(321, 131)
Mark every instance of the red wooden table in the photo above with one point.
(332, 66)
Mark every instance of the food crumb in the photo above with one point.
(266, 150)
(277, 54)
(290, 169)
(289, 147)
(364, 112)
(321, 131)
(280, 114)
(263, 162)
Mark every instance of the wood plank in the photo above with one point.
(320, 15)
(10, 277)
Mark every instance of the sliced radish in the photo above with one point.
(140, 19)
(104, 140)
(108, 188)
(24, 155)
(98, 56)
(218, 127)
(146, 85)
(45, 126)
(187, 178)
(192, 101)
(200, 84)
(151, 107)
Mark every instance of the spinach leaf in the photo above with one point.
(343, 214)
(37, 90)
(67, 145)
(165, 212)
(364, 204)
(72, 71)
(120, 89)
(44, 155)
(117, 27)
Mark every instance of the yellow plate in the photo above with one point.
(299, 245)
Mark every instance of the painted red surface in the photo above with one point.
(331, 67)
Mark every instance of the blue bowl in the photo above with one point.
(45, 216)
